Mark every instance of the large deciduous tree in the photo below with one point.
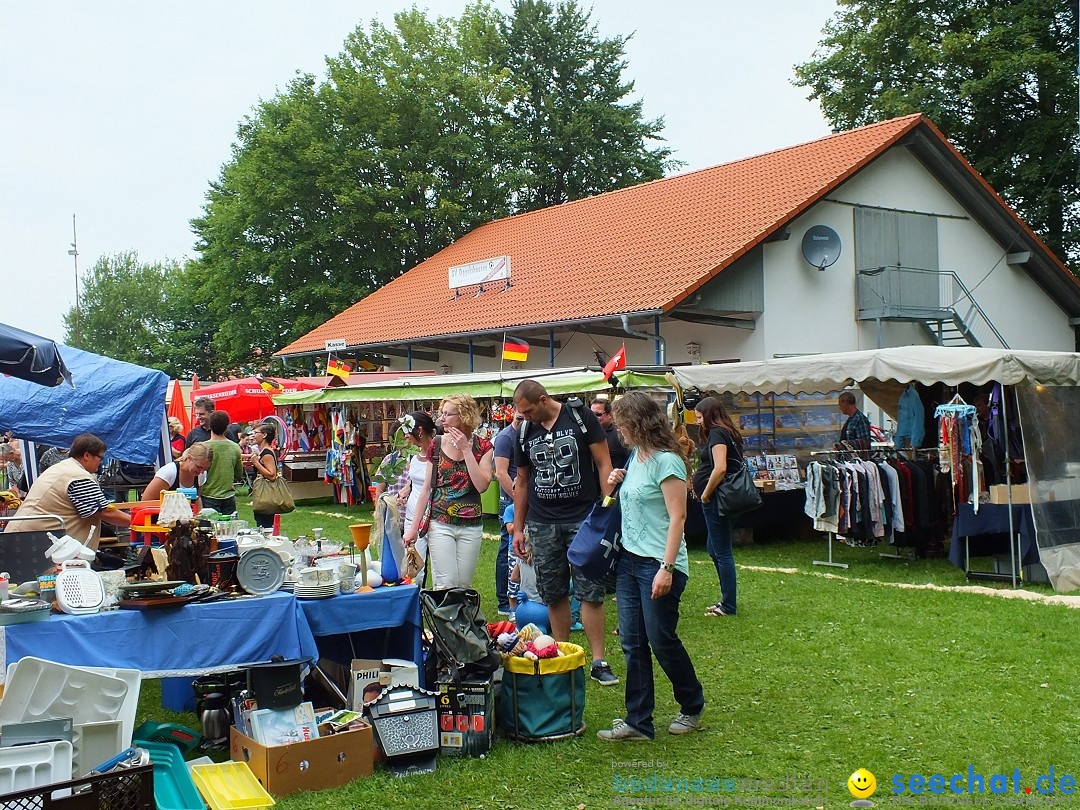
(120, 309)
(574, 132)
(999, 79)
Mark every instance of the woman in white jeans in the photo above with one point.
(459, 471)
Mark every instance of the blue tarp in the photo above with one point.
(124, 404)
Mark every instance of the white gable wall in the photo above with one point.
(824, 301)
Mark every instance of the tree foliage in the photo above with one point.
(119, 311)
(999, 79)
(418, 133)
(144, 313)
(572, 133)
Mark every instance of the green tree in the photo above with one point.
(574, 134)
(999, 79)
(120, 310)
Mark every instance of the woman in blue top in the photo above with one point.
(652, 570)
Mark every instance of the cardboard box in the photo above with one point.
(999, 494)
(371, 674)
(317, 764)
(466, 718)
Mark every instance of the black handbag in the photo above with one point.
(737, 493)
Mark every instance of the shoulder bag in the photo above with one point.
(271, 497)
(596, 546)
(737, 493)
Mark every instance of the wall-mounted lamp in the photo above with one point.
(445, 368)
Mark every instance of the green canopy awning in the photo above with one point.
(491, 385)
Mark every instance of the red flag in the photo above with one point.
(617, 362)
(177, 407)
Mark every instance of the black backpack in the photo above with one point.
(576, 406)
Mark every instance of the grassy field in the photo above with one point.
(822, 672)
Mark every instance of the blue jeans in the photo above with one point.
(502, 559)
(719, 544)
(646, 623)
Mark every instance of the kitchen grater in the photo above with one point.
(78, 589)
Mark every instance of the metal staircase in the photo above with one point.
(937, 300)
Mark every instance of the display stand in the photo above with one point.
(831, 535)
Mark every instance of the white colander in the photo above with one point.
(78, 589)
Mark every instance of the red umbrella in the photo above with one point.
(177, 407)
(248, 399)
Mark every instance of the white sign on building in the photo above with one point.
(466, 275)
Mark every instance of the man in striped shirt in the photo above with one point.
(70, 490)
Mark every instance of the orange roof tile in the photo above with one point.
(638, 249)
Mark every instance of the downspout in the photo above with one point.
(661, 344)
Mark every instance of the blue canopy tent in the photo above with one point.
(123, 404)
(31, 357)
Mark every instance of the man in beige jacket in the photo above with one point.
(70, 489)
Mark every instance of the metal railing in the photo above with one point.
(937, 298)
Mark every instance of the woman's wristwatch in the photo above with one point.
(666, 566)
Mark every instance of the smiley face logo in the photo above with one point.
(862, 784)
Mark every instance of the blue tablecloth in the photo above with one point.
(988, 532)
(189, 641)
(385, 608)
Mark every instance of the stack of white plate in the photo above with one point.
(322, 591)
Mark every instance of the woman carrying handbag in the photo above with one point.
(652, 571)
(269, 493)
(720, 449)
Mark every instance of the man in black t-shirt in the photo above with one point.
(204, 406)
(561, 454)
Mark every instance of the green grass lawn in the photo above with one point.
(823, 671)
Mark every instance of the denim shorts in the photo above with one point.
(549, 544)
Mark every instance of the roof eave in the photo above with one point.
(493, 333)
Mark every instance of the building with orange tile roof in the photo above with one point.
(878, 236)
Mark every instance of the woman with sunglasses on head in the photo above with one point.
(652, 570)
(188, 471)
(419, 430)
(460, 470)
(720, 444)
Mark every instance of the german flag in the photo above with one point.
(515, 349)
(338, 367)
(270, 385)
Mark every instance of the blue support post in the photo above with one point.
(551, 348)
(471, 369)
(409, 356)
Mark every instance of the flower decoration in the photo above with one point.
(406, 423)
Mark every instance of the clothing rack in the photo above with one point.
(831, 535)
(867, 454)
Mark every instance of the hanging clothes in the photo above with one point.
(911, 421)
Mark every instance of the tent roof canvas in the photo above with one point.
(119, 402)
(903, 364)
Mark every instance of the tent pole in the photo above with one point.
(1008, 483)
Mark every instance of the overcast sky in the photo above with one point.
(121, 113)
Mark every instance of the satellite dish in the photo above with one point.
(821, 246)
